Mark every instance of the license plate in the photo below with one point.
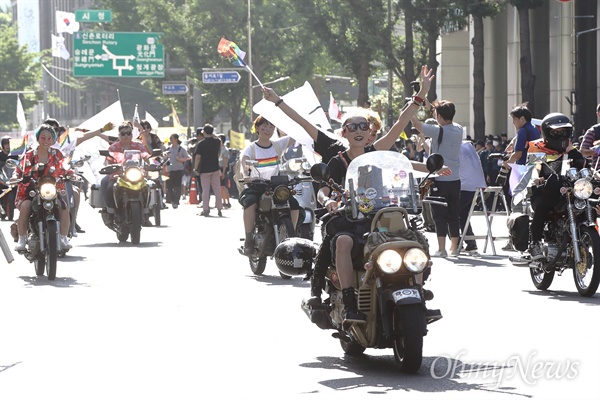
(406, 293)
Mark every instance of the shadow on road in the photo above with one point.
(277, 280)
(122, 244)
(563, 295)
(61, 282)
(483, 261)
(381, 375)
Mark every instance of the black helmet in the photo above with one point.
(294, 256)
(557, 130)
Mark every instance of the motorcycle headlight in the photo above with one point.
(583, 189)
(134, 175)
(281, 194)
(47, 191)
(580, 204)
(389, 261)
(415, 260)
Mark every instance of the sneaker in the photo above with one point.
(248, 246)
(470, 248)
(454, 253)
(21, 245)
(78, 229)
(64, 243)
(204, 213)
(536, 251)
(508, 246)
(219, 213)
(440, 254)
(354, 317)
(175, 206)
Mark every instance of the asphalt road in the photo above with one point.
(182, 317)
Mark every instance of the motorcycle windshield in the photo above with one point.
(132, 158)
(380, 179)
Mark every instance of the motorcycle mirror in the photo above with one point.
(156, 152)
(104, 153)
(434, 162)
(320, 172)
(10, 163)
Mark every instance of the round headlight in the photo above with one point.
(134, 175)
(389, 261)
(415, 260)
(282, 193)
(583, 189)
(47, 191)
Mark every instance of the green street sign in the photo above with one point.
(93, 15)
(118, 54)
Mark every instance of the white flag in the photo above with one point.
(65, 22)
(21, 116)
(136, 117)
(334, 111)
(58, 48)
(153, 122)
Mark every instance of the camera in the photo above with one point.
(503, 173)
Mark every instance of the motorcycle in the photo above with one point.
(381, 188)
(570, 239)
(156, 189)
(273, 222)
(80, 186)
(304, 192)
(131, 195)
(43, 231)
(7, 194)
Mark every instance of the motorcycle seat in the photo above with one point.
(389, 219)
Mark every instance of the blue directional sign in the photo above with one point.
(174, 88)
(220, 77)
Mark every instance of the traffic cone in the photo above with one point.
(193, 192)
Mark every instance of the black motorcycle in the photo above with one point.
(273, 222)
(571, 239)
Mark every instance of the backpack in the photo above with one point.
(238, 170)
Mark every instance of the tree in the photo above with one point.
(19, 71)
(527, 76)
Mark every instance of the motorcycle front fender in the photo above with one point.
(401, 295)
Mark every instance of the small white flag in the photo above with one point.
(21, 116)
(58, 48)
(65, 22)
(136, 117)
(334, 111)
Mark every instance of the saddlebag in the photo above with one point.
(96, 199)
(518, 228)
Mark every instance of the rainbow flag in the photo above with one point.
(22, 147)
(64, 138)
(267, 162)
(232, 52)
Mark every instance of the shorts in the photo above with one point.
(185, 180)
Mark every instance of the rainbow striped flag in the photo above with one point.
(232, 52)
(64, 138)
(22, 147)
(267, 162)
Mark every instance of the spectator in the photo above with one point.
(224, 167)
(206, 163)
(590, 138)
(471, 178)
(177, 157)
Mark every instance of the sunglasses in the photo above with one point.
(125, 133)
(352, 126)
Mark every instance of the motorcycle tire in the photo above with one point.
(136, 222)
(156, 214)
(541, 279)
(123, 236)
(286, 230)
(408, 337)
(351, 347)
(305, 232)
(51, 249)
(40, 266)
(258, 265)
(284, 276)
(587, 274)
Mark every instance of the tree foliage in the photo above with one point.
(19, 71)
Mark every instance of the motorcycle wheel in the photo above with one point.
(541, 279)
(586, 274)
(136, 222)
(304, 232)
(351, 347)
(40, 266)
(286, 230)
(258, 265)
(408, 337)
(51, 248)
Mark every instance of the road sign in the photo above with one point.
(93, 15)
(174, 88)
(220, 77)
(118, 54)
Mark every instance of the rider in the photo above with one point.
(117, 151)
(267, 152)
(5, 150)
(54, 165)
(346, 238)
(557, 132)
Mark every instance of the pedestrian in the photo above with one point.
(591, 136)
(206, 163)
(446, 140)
(471, 179)
(193, 173)
(177, 157)
(224, 167)
(526, 132)
(149, 138)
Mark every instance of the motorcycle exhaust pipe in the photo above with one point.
(5, 249)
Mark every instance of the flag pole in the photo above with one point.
(255, 77)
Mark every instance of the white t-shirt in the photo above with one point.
(268, 158)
